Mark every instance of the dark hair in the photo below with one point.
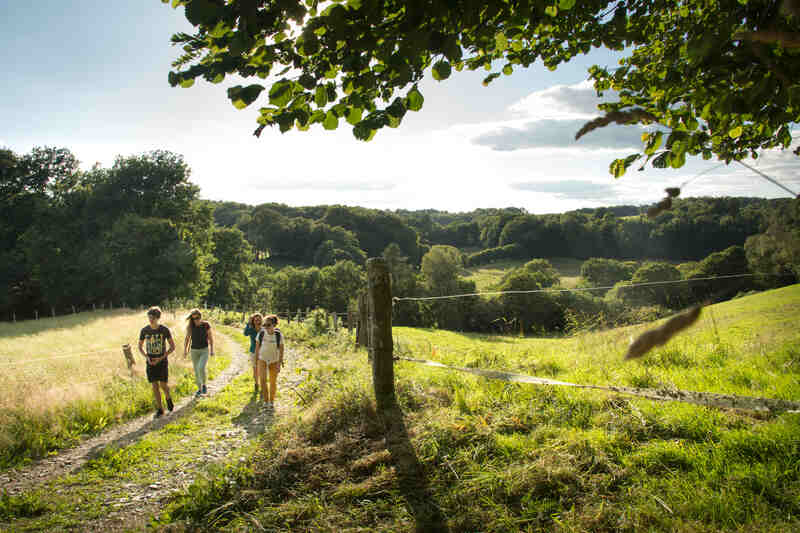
(154, 311)
(273, 319)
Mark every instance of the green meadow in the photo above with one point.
(465, 453)
(487, 277)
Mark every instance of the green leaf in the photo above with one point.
(441, 70)
(200, 12)
(619, 166)
(500, 42)
(508, 70)
(553, 11)
(321, 96)
(354, 115)
(280, 93)
(363, 132)
(678, 160)
(242, 97)
(414, 99)
(735, 132)
(187, 82)
(566, 5)
(331, 121)
(654, 142)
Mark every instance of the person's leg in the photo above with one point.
(262, 379)
(274, 368)
(254, 362)
(202, 363)
(157, 396)
(165, 387)
(196, 364)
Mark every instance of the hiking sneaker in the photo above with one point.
(170, 405)
(198, 393)
(205, 390)
(159, 413)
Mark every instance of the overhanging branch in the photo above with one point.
(785, 38)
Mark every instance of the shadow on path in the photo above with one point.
(254, 418)
(413, 481)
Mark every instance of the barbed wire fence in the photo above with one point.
(380, 346)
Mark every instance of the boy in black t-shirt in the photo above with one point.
(156, 336)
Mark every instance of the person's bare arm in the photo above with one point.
(186, 340)
(210, 341)
(171, 347)
(280, 351)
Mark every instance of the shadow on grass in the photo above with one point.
(412, 481)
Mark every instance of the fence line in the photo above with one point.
(577, 289)
(708, 399)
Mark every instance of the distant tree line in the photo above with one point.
(138, 233)
(691, 230)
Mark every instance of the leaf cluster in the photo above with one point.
(713, 76)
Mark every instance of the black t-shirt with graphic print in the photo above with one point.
(155, 340)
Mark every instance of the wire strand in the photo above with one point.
(769, 179)
(578, 289)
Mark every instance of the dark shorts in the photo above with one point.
(159, 372)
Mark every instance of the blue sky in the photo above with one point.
(91, 76)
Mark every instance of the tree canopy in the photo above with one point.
(710, 77)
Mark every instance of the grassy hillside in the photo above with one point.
(470, 454)
(65, 377)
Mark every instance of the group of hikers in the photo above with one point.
(156, 344)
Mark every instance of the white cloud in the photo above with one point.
(578, 101)
(550, 118)
(553, 133)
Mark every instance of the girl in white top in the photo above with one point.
(269, 347)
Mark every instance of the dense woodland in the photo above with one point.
(139, 233)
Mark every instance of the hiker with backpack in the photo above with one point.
(156, 336)
(251, 330)
(201, 338)
(269, 350)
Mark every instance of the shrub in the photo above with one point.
(672, 295)
(599, 272)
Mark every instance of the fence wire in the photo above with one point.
(578, 289)
(708, 399)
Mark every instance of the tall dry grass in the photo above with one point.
(62, 378)
(60, 360)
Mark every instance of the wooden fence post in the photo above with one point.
(53, 311)
(36, 314)
(335, 322)
(14, 317)
(288, 317)
(380, 327)
(73, 309)
(129, 360)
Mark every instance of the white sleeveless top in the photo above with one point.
(269, 346)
